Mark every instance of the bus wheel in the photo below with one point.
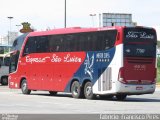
(24, 87)
(121, 97)
(76, 90)
(4, 80)
(52, 92)
(88, 93)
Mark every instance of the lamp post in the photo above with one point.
(92, 15)
(100, 20)
(65, 12)
(9, 32)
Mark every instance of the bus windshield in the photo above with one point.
(139, 42)
(17, 44)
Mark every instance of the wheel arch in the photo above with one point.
(23, 78)
(74, 79)
(84, 82)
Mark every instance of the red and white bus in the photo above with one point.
(114, 61)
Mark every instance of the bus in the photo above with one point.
(87, 62)
(4, 63)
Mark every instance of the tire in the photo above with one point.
(52, 93)
(24, 87)
(121, 97)
(4, 80)
(76, 90)
(88, 92)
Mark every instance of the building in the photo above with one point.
(3, 40)
(8, 39)
(116, 19)
(12, 37)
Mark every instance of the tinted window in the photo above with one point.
(56, 43)
(13, 62)
(30, 46)
(140, 50)
(17, 44)
(91, 41)
(41, 44)
(139, 42)
(36, 45)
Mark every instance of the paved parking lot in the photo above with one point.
(13, 101)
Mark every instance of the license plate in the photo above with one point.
(139, 88)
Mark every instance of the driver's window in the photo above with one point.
(30, 46)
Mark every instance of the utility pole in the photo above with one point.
(92, 15)
(65, 13)
(9, 32)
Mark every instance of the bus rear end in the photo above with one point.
(138, 74)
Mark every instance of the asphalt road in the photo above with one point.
(13, 101)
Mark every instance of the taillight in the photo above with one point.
(155, 72)
(154, 81)
(121, 75)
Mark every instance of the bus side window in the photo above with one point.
(30, 46)
(41, 44)
(99, 42)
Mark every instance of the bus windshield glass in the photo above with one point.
(139, 42)
(17, 44)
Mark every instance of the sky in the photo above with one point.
(43, 14)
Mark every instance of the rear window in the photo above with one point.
(139, 42)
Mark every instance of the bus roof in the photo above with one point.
(79, 29)
(72, 30)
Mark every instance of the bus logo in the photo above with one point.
(89, 65)
(142, 35)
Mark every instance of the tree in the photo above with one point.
(158, 61)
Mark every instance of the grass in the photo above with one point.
(158, 71)
(158, 76)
